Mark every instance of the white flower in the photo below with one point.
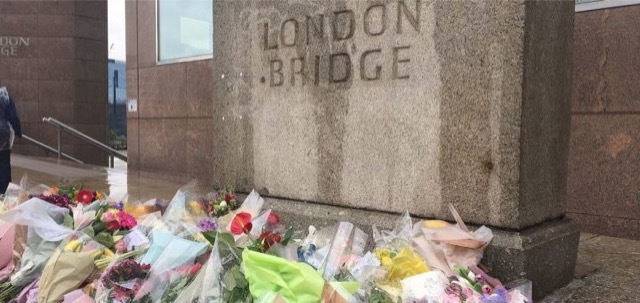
(223, 204)
(82, 219)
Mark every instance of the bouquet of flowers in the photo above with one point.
(121, 281)
(215, 204)
(69, 266)
(111, 224)
(174, 263)
(46, 229)
(14, 195)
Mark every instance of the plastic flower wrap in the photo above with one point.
(121, 281)
(398, 261)
(207, 285)
(14, 195)
(69, 266)
(293, 281)
(262, 233)
(336, 252)
(167, 254)
(446, 245)
(45, 230)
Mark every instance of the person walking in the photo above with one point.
(9, 129)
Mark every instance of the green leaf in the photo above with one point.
(99, 227)
(68, 221)
(287, 236)
(210, 236)
(89, 231)
(105, 239)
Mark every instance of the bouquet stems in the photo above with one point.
(9, 291)
(103, 263)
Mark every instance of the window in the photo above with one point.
(185, 29)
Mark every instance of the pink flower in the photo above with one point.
(108, 216)
(126, 220)
(120, 246)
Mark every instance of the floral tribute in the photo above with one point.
(215, 249)
(122, 281)
(216, 205)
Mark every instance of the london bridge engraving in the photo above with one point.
(340, 28)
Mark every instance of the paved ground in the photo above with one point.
(607, 271)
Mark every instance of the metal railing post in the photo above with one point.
(59, 143)
(72, 131)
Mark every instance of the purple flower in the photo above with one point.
(208, 224)
(119, 206)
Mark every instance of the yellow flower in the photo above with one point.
(195, 208)
(406, 264)
(99, 196)
(434, 224)
(72, 246)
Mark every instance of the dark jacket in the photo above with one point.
(9, 121)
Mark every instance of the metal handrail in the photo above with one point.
(61, 126)
(48, 148)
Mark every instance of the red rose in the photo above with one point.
(228, 197)
(85, 197)
(273, 218)
(241, 224)
(113, 225)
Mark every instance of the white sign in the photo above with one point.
(132, 105)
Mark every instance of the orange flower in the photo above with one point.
(241, 223)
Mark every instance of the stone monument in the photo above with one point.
(406, 105)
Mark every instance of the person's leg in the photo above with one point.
(5, 170)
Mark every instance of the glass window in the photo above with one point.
(185, 29)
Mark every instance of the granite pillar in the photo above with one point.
(406, 105)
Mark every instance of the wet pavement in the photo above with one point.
(607, 267)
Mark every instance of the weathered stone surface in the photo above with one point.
(397, 105)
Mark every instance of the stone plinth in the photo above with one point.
(400, 105)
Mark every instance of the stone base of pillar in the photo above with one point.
(545, 254)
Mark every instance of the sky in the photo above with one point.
(117, 39)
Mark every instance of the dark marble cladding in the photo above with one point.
(162, 145)
(56, 7)
(133, 145)
(602, 194)
(62, 73)
(131, 13)
(89, 49)
(91, 9)
(606, 60)
(18, 7)
(146, 26)
(608, 226)
(56, 47)
(19, 68)
(56, 91)
(18, 25)
(90, 28)
(588, 81)
(55, 26)
(162, 91)
(56, 69)
(604, 167)
(622, 70)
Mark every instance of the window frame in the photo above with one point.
(591, 5)
(177, 60)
